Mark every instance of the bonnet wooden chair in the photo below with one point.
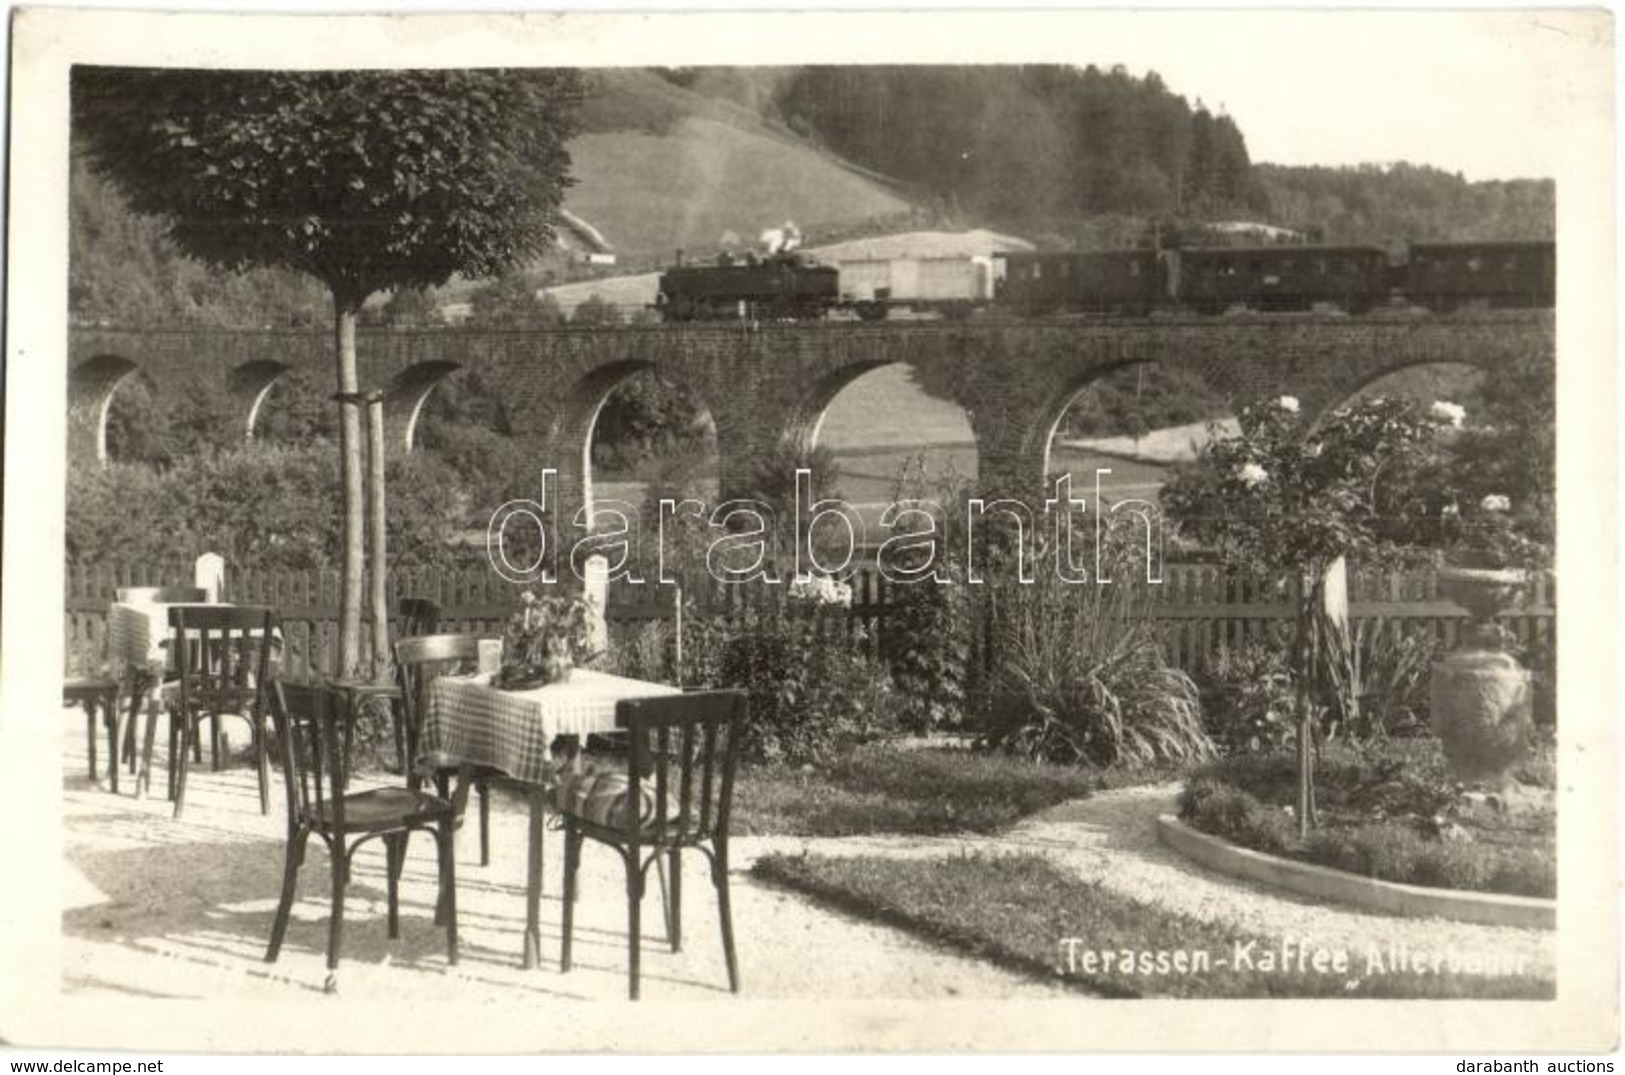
(313, 735)
(682, 754)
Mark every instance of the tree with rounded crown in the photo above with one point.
(1284, 499)
(366, 180)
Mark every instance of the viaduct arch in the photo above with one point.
(767, 386)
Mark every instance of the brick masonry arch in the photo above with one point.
(1041, 432)
(408, 391)
(1330, 402)
(252, 381)
(91, 385)
(762, 383)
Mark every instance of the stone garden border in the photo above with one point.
(1308, 879)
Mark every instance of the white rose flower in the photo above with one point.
(1495, 502)
(1252, 475)
(1453, 414)
(1288, 404)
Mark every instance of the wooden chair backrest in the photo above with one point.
(314, 751)
(161, 595)
(687, 746)
(418, 661)
(223, 654)
(419, 616)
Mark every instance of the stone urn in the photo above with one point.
(1480, 695)
(1484, 592)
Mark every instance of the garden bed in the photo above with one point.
(1023, 912)
(1388, 812)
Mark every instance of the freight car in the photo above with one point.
(873, 287)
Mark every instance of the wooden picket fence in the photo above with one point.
(1201, 607)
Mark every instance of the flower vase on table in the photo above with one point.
(543, 642)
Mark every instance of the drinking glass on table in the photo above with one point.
(490, 659)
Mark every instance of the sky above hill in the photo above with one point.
(1492, 95)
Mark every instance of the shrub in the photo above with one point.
(271, 506)
(1388, 779)
(1247, 699)
(641, 649)
(1540, 657)
(928, 649)
(1378, 679)
(929, 625)
(813, 694)
(1396, 852)
(1399, 807)
(113, 512)
(1227, 811)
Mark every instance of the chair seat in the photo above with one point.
(228, 702)
(384, 808)
(366, 688)
(599, 799)
(79, 688)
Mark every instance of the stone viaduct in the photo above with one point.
(768, 385)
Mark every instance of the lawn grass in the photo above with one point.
(1018, 910)
(920, 791)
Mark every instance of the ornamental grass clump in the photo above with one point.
(1081, 676)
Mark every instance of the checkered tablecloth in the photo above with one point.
(470, 722)
(136, 634)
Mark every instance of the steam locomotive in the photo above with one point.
(1206, 280)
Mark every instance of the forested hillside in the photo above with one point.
(1028, 146)
(121, 271)
(1407, 202)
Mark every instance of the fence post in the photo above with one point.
(595, 588)
(209, 575)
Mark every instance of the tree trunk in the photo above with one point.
(375, 497)
(1307, 665)
(354, 503)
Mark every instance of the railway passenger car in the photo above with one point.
(1211, 280)
(775, 289)
(1128, 282)
(1447, 276)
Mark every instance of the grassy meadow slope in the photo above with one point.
(705, 185)
(659, 167)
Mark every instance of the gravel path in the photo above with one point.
(1111, 838)
(158, 907)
